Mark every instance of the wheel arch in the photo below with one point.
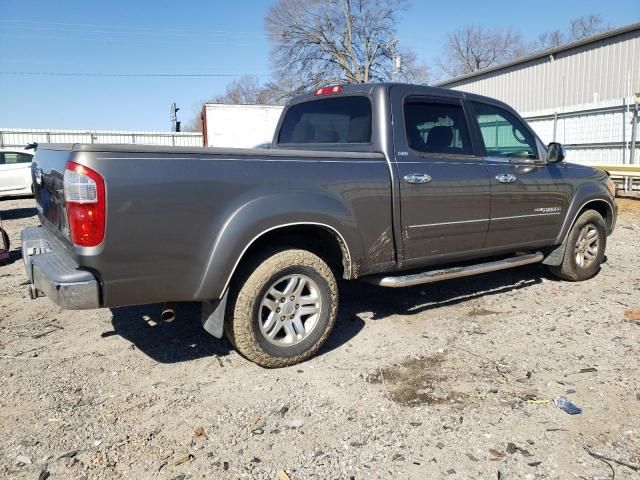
(320, 222)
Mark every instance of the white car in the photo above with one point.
(15, 172)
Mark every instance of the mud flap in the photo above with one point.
(213, 314)
(556, 255)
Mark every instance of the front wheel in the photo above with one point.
(285, 306)
(584, 253)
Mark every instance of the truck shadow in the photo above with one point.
(359, 297)
(184, 339)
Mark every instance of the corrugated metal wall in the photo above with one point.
(602, 70)
(596, 133)
(19, 137)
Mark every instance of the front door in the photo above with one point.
(444, 185)
(529, 198)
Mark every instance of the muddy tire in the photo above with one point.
(282, 307)
(586, 245)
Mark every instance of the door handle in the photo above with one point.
(506, 178)
(417, 178)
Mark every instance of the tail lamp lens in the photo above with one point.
(84, 195)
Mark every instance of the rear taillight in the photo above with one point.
(85, 200)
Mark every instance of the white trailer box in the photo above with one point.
(239, 126)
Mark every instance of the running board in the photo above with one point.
(454, 272)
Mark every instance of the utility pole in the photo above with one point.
(173, 115)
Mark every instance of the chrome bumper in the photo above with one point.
(54, 273)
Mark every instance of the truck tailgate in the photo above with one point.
(47, 171)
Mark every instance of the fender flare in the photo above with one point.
(259, 216)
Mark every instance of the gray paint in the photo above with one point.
(179, 220)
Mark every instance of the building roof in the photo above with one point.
(544, 53)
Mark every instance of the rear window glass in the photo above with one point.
(330, 120)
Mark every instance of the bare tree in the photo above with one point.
(550, 40)
(586, 26)
(245, 90)
(319, 42)
(474, 47)
(579, 28)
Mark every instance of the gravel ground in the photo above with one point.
(453, 380)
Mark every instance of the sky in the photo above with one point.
(224, 38)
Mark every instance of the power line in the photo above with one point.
(120, 29)
(150, 75)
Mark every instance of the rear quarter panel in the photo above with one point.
(177, 223)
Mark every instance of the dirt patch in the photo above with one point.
(416, 381)
(629, 206)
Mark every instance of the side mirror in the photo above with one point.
(555, 153)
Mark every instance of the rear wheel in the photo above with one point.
(586, 244)
(284, 308)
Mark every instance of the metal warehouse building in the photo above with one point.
(582, 94)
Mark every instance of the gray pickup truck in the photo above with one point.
(393, 184)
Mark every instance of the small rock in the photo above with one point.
(531, 442)
(255, 418)
(451, 471)
(415, 424)
(472, 458)
(496, 453)
(493, 390)
(534, 464)
(440, 445)
(44, 474)
(511, 448)
(28, 443)
(225, 465)
(180, 459)
(284, 410)
(23, 460)
(179, 477)
(397, 457)
(69, 454)
(637, 395)
(295, 423)
(255, 460)
(199, 431)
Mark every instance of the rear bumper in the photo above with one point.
(54, 273)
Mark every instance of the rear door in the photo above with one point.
(444, 184)
(14, 171)
(529, 198)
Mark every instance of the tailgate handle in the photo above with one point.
(417, 178)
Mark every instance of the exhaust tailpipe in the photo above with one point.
(168, 312)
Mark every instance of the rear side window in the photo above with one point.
(437, 128)
(504, 135)
(330, 120)
(10, 158)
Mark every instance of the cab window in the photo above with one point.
(437, 128)
(504, 135)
